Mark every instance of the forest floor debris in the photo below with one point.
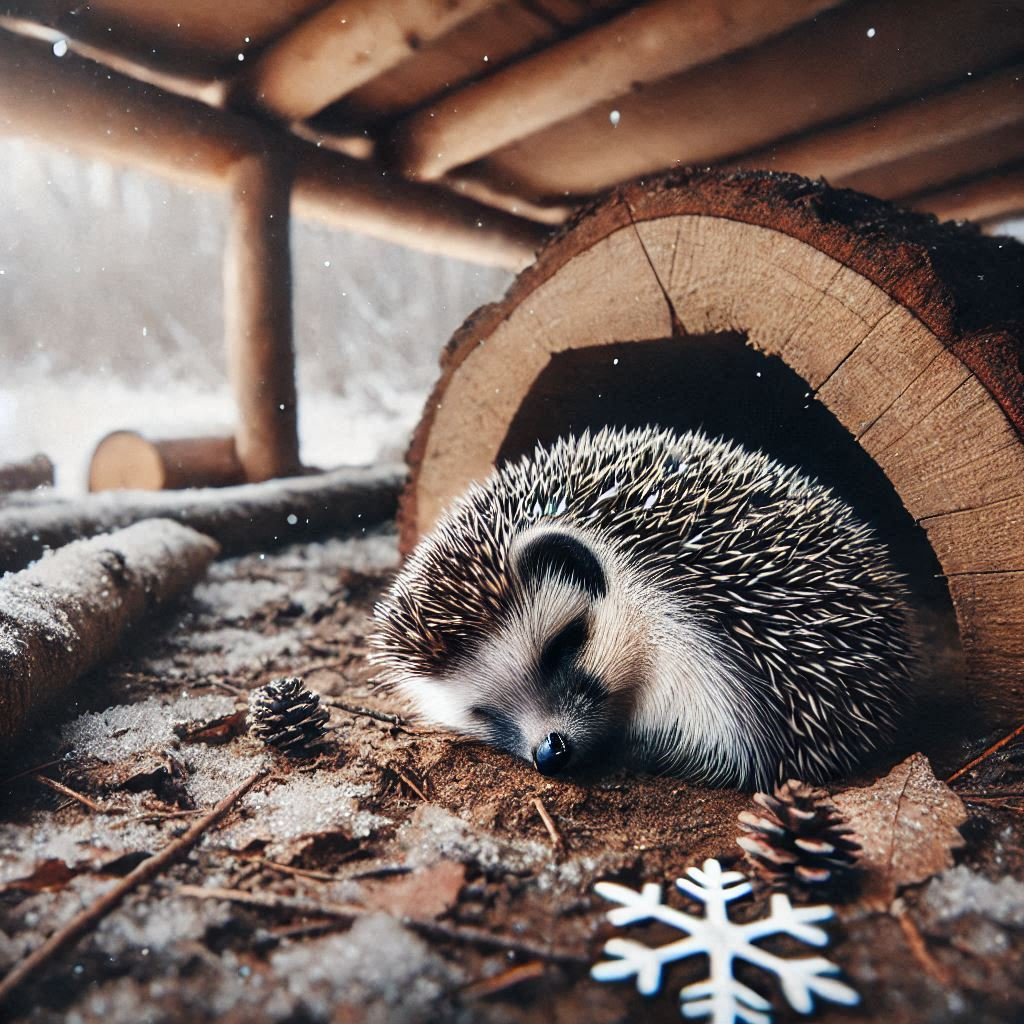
(469, 877)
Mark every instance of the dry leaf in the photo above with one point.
(425, 893)
(907, 824)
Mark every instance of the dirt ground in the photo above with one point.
(404, 824)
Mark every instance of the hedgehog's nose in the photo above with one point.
(552, 754)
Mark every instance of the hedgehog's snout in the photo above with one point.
(553, 754)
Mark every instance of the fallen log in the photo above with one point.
(125, 459)
(26, 474)
(241, 518)
(70, 611)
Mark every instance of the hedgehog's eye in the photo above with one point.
(565, 646)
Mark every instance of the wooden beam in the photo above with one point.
(990, 197)
(126, 460)
(818, 73)
(258, 318)
(83, 107)
(847, 152)
(341, 47)
(643, 45)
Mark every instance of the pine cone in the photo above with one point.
(287, 715)
(801, 841)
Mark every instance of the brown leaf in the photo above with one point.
(907, 824)
(425, 893)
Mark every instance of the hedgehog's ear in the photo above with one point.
(557, 553)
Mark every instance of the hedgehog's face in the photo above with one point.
(555, 681)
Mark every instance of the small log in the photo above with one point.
(241, 518)
(643, 45)
(340, 47)
(258, 317)
(27, 474)
(990, 197)
(126, 460)
(69, 612)
(857, 154)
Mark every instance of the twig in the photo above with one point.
(549, 823)
(364, 712)
(148, 869)
(28, 771)
(515, 976)
(351, 912)
(412, 785)
(59, 787)
(287, 869)
(915, 940)
(986, 754)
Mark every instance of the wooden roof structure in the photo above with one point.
(470, 127)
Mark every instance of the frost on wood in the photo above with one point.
(69, 612)
(721, 997)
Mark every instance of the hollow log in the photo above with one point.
(69, 612)
(650, 42)
(27, 474)
(126, 460)
(258, 317)
(903, 337)
(248, 517)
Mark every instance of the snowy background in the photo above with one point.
(111, 317)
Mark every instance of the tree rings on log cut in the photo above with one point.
(910, 332)
(125, 460)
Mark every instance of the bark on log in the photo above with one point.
(26, 475)
(258, 317)
(125, 460)
(69, 612)
(911, 333)
(243, 518)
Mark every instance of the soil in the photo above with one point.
(403, 822)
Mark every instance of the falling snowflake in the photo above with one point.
(720, 997)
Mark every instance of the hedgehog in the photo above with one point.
(668, 603)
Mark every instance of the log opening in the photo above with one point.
(908, 333)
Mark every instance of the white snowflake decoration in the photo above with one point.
(721, 997)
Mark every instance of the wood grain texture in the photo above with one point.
(910, 332)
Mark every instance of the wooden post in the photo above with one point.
(258, 317)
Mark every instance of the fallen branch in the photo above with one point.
(68, 613)
(350, 912)
(26, 475)
(247, 517)
(986, 754)
(147, 870)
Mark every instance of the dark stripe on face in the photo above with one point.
(501, 730)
